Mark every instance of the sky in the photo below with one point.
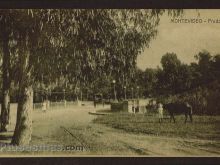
(184, 39)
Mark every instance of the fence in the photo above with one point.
(57, 105)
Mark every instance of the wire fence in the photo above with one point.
(62, 104)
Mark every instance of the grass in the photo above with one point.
(203, 127)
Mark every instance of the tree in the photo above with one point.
(184, 78)
(85, 41)
(5, 106)
(24, 36)
(150, 80)
(135, 29)
(204, 67)
(216, 66)
(170, 64)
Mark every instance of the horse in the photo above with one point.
(179, 108)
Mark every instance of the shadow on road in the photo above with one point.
(6, 137)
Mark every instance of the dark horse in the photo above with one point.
(179, 108)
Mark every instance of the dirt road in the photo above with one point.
(72, 126)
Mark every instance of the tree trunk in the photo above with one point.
(5, 107)
(5, 110)
(23, 129)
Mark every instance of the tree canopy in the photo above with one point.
(74, 46)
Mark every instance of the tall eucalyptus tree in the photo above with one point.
(76, 44)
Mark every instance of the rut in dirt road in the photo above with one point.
(80, 140)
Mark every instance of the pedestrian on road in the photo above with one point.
(94, 102)
(44, 106)
(160, 112)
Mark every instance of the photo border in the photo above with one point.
(110, 4)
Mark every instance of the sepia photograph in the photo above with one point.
(110, 82)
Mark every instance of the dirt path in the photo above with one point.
(73, 126)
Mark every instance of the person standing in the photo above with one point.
(189, 111)
(94, 101)
(44, 106)
(160, 112)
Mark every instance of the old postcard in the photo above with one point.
(110, 82)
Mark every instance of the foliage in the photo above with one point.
(197, 83)
(204, 100)
(78, 45)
